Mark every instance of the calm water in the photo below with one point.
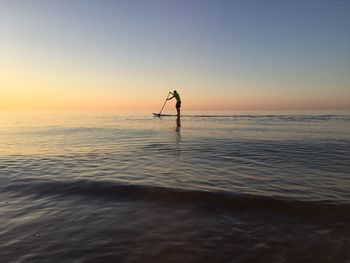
(207, 188)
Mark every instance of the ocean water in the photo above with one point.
(232, 187)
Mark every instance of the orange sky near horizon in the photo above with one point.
(44, 90)
(34, 87)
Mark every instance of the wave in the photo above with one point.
(218, 200)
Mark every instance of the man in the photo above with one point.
(178, 101)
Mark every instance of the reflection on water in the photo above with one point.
(178, 124)
(178, 135)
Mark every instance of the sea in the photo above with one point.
(206, 187)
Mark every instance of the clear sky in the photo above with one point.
(220, 55)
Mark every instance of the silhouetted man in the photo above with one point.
(178, 101)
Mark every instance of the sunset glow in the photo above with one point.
(220, 55)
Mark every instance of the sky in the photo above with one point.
(84, 55)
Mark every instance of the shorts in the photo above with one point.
(178, 105)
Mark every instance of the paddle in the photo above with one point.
(163, 105)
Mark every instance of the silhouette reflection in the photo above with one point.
(178, 124)
(178, 134)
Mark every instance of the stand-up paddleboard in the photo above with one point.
(164, 115)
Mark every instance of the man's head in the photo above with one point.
(175, 91)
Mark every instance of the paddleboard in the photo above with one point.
(164, 115)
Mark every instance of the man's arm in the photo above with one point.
(171, 96)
